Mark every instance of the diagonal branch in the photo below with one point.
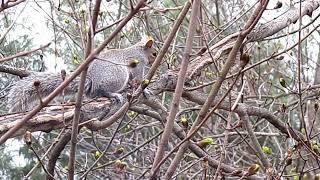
(180, 133)
(75, 122)
(9, 4)
(179, 88)
(56, 151)
(291, 16)
(25, 53)
(257, 147)
(88, 60)
(201, 118)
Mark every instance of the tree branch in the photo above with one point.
(180, 82)
(59, 89)
(26, 53)
(14, 71)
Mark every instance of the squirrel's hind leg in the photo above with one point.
(119, 98)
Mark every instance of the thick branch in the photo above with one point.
(283, 21)
(201, 117)
(254, 140)
(14, 71)
(179, 88)
(55, 117)
(251, 111)
(9, 4)
(75, 122)
(56, 151)
(84, 65)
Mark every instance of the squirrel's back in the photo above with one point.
(25, 93)
(109, 73)
(112, 71)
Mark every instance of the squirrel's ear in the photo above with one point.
(149, 42)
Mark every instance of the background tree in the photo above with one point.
(235, 90)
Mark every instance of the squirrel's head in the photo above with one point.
(146, 46)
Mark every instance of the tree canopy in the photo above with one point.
(234, 90)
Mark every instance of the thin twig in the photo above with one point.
(202, 116)
(87, 61)
(24, 53)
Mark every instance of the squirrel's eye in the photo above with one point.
(154, 54)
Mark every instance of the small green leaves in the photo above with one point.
(315, 148)
(253, 169)
(184, 121)
(97, 154)
(132, 114)
(127, 128)
(209, 74)
(282, 82)
(66, 20)
(266, 150)
(133, 63)
(205, 142)
(75, 59)
(208, 141)
(86, 29)
(119, 150)
(145, 83)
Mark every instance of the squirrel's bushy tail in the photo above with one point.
(23, 96)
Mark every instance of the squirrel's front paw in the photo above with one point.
(147, 93)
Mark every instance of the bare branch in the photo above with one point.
(291, 16)
(180, 83)
(14, 71)
(9, 4)
(74, 75)
(26, 53)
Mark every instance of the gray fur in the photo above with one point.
(22, 96)
(105, 78)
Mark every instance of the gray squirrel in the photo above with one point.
(108, 76)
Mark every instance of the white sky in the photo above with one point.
(41, 34)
